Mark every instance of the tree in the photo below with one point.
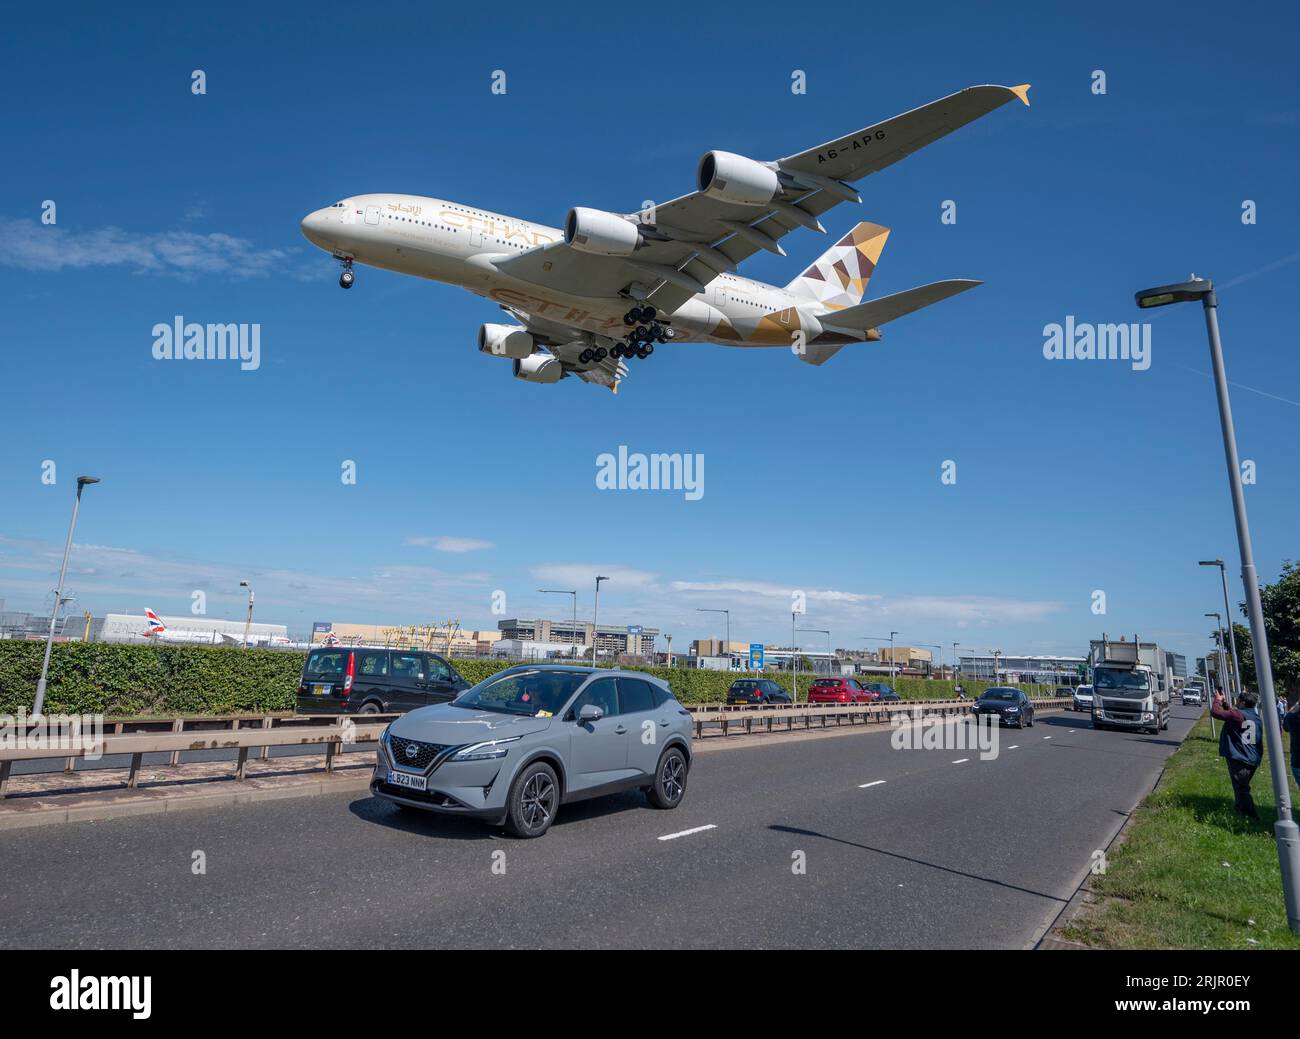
(1281, 601)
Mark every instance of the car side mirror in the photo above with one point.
(590, 713)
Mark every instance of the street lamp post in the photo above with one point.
(595, 615)
(1285, 830)
(1227, 609)
(82, 483)
(248, 622)
(563, 591)
(1224, 678)
(881, 638)
(726, 652)
(954, 669)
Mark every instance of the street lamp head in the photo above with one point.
(1211, 562)
(83, 480)
(1183, 292)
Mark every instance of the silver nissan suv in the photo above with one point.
(515, 747)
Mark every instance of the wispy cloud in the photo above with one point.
(187, 254)
(447, 543)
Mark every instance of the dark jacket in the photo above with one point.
(1291, 724)
(1241, 738)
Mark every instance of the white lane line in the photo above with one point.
(1014, 746)
(687, 833)
(1047, 737)
(1069, 731)
(960, 760)
(863, 786)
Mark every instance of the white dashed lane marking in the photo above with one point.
(960, 760)
(687, 833)
(1014, 746)
(876, 782)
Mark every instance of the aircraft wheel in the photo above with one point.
(601, 353)
(669, 333)
(585, 356)
(346, 279)
(648, 313)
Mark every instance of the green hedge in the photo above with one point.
(114, 679)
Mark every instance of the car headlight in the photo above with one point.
(486, 750)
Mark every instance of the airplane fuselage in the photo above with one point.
(457, 244)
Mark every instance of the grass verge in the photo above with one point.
(1190, 873)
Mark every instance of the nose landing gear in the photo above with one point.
(347, 277)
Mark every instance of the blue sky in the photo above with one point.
(1072, 476)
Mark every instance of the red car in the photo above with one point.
(840, 690)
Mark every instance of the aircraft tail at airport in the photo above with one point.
(839, 277)
(156, 626)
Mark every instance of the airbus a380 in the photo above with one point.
(608, 286)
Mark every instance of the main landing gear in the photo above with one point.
(643, 332)
(347, 277)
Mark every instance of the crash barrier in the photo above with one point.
(137, 737)
(771, 715)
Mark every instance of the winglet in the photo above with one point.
(1022, 92)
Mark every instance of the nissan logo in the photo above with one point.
(412, 750)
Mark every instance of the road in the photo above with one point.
(903, 849)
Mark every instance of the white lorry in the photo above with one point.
(1131, 683)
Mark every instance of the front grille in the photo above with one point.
(424, 755)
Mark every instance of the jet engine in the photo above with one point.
(539, 367)
(513, 341)
(734, 178)
(595, 231)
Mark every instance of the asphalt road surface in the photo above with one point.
(901, 848)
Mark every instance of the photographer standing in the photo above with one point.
(1241, 744)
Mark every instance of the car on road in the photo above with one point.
(514, 748)
(756, 691)
(1193, 694)
(1081, 699)
(883, 690)
(839, 690)
(1009, 706)
(374, 680)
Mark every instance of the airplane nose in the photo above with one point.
(312, 225)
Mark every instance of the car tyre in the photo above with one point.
(370, 707)
(669, 786)
(533, 801)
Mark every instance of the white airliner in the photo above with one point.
(609, 286)
(159, 631)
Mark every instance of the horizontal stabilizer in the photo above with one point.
(887, 308)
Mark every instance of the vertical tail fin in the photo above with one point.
(156, 626)
(839, 277)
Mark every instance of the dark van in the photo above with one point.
(370, 680)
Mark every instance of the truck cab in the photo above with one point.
(1130, 687)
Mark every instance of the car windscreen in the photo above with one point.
(744, 686)
(998, 694)
(1123, 683)
(531, 692)
(829, 681)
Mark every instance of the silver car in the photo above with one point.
(516, 746)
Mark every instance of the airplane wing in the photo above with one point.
(691, 240)
(567, 344)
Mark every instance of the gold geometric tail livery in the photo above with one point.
(839, 277)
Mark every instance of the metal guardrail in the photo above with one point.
(174, 736)
(162, 735)
(769, 715)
